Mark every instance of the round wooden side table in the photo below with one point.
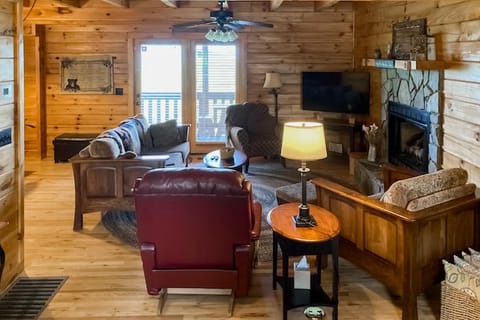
(319, 240)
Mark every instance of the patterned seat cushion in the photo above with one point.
(441, 197)
(402, 192)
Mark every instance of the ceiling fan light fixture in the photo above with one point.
(231, 36)
(211, 34)
(218, 35)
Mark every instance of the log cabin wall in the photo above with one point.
(306, 36)
(455, 25)
(11, 143)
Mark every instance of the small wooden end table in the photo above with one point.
(293, 241)
(213, 160)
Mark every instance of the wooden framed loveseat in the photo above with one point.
(402, 243)
(105, 171)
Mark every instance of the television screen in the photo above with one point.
(342, 92)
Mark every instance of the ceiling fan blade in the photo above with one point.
(253, 23)
(192, 24)
(232, 25)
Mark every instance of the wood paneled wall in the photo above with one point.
(11, 138)
(455, 25)
(306, 36)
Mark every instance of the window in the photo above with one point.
(161, 82)
(215, 76)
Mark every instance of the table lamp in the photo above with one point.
(303, 141)
(273, 81)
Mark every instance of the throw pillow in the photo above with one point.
(164, 134)
(112, 133)
(462, 280)
(474, 259)
(104, 147)
(466, 266)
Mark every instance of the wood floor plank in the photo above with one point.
(106, 277)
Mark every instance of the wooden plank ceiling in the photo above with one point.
(275, 4)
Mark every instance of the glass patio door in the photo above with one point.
(216, 83)
(160, 89)
(191, 81)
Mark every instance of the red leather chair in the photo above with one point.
(197, 228)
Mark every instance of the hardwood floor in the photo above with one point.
(105, 277)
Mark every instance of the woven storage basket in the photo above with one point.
(457, 305)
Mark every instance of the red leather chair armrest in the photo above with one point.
(257, 220)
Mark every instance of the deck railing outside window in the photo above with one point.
(162, 106)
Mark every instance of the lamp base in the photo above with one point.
(304, 219)
(302, 222)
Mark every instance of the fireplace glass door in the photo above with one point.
(408, 134)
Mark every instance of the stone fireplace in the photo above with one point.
(410, 105)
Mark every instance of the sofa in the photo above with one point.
(252, 130)
(197, 228)
(401, 237)
(105, 171)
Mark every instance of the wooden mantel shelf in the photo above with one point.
(404, 64)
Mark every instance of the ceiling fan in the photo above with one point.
(220, 20)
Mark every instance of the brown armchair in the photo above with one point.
(252, 130)
(197, 228)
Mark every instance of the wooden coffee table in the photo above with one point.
(212, 160)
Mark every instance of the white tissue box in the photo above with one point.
(301, 276)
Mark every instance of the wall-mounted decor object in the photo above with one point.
(410, 40)
(86, 75)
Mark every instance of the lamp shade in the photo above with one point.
(272, 80)
(303, 141)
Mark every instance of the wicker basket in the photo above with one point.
(457, 305)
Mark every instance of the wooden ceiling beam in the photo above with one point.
(118, 3)
(275, 4)
(328, 3)
(68, 3)
(170, 3)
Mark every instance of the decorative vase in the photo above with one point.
(372, 152)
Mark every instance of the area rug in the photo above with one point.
(28, 297)
(122, 224)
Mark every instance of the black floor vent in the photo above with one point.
(27, 297)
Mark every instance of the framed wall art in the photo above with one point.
(410, 40)
(86, 75)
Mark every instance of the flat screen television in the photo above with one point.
(341, 92)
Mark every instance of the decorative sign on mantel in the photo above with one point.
(86, 75)
(410, 40)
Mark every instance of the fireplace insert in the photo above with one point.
(408, 136)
